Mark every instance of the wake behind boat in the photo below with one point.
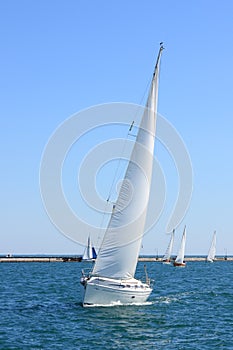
(112, 278)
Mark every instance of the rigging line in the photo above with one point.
(114, 180)
(102, 223)
(150, 80)
(128, 134)
(145, 91)
(118, 166)
(155, 68)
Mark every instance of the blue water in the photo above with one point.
(190, 308)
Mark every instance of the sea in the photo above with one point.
(189, 308)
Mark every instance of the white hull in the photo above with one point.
(88, 260)
(109, 292)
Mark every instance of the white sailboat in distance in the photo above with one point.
(112, 279)
(179, 261)
(167, 256)
(212, 250)
(89, 253)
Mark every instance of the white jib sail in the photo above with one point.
(180, 256)
(118, 254)
(168, 252)
(212, 250)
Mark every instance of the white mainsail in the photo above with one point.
(118, 254)
(168, 252)
(180, 256)
(212, 250)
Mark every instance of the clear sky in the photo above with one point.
(59, 57)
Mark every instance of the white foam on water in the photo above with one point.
(118, 303)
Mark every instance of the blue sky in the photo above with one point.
(59, 57)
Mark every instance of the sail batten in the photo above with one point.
(118, 254)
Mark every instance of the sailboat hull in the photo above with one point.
(176, 264)
(109, 292)
(167, 262)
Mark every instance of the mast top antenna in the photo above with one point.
(161, 45)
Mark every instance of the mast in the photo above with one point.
(158, 58)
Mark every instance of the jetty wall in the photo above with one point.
(18, 259)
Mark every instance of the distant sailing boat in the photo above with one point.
(167, 256)
(112, 278)
(212, 250)
(179, 261)
(89, 253)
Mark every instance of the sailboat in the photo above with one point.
(212, 250)
(112, 279)
(167, 256)
(179, 261)
(89, 253)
